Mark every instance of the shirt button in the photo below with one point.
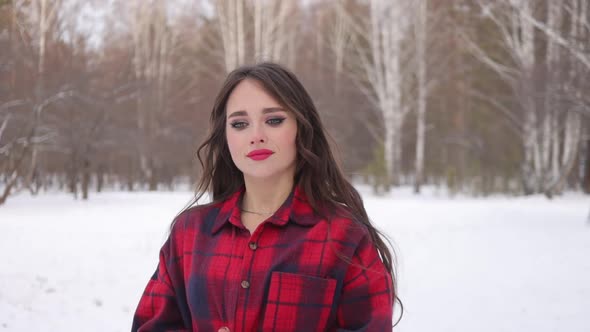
(253, 245)
(224, 329)
(245, 284)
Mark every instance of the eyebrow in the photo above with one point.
(264, 111)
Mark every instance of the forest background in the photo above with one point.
(474, 96)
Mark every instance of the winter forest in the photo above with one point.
(464, 125)
(475, 96)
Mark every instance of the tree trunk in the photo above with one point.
(421, 35)
(100, 174)
(85, 179)
(73, 177)
(586, 167)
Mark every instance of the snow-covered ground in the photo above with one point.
(464, 264)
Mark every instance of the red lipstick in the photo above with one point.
(259, 154)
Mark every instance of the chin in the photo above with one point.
(261, 173)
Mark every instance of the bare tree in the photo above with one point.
(273, 31)
(421, 36)
(12, 155)
(36, 26)
(580, 25)
(37, 18)
(574, 41)
(16, 149)
(549, 137)
(429, 58)
(380, 74)
(152, 43)
(71, 109)
(230, 14)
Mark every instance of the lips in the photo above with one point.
(259, 154)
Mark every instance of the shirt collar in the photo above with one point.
(296, 208)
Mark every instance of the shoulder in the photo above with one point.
(195, 218)
(350, 231)
(344, 228)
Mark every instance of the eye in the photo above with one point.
(275, 121)
(239, 124)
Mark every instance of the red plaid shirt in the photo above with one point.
(296, 272)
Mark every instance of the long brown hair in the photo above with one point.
(317, 172)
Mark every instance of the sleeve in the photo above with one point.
(158, 308)
(366, 302)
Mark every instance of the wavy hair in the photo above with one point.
(317, 172)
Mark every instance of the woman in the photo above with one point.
(286, 244)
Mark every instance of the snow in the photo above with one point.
(464, 264)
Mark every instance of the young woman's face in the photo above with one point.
(260, 133)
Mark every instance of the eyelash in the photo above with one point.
(273, 122)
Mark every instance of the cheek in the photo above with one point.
(290, 139)
(232, 142)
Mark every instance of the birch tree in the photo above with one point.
(549, 142)
(230, 14)
(13, 152)
(381, 71)
(579, 35)
(38, 18)
(152, 45)
(421, 35)
(341, 27)
(573, 40)
(36, 26)
(274, 31)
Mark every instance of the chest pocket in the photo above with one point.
(298, 303)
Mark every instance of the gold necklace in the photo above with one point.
(258, 213)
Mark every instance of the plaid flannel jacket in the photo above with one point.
(296, 272)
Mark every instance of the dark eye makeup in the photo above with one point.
(273, 122)
(239, 124)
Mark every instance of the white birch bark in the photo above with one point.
(274, 30)
(550, 137)
(572, 134)
(523, 42)
(379, 73)
(230, 14)
(563, 131)
(518, 37)
(258, 14)
(139, 30)
(240, 36)
(338, 38)
(388, 28)
(574, 8)
(152, 43)
(44, 14)
(420, 38)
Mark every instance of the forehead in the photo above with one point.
(249, 95)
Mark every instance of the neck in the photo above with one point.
(266, 195)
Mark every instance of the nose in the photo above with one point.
(257, 136)
(261, 140)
